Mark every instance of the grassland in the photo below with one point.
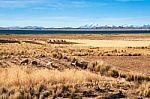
(84, 66)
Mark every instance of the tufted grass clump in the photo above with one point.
(144, 90)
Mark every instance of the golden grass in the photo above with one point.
(35, 50)
(28, 50)
(110, 43)
(20, 76)
(144, 90)
(25, 76)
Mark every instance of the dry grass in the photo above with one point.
(20, 76)
(25, 50)
(144, 90)
(21, 82)
(111, 43)
(78, 36)
(27, 83)
(92, 75)
(110, 71)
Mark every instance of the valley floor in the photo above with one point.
(74, 66)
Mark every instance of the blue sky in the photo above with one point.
(73, 13)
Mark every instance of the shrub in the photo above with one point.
(92, 66)
(73, 59)
(122, 75)
(130, 78)
(57, 55)
(82, 64)
(138, 78)
(144, 90)
(100, 67)
(114, 73)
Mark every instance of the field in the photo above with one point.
(82, 66)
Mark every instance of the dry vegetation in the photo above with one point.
(36, 69)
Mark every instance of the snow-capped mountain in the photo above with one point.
(125, 26)
(90, 26)
(32, 27)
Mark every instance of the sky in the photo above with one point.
(73, 13)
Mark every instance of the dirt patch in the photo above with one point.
(136, 64)
(9, 41)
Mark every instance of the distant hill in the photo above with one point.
(87, 26)
(98, 26)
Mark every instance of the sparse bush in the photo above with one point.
(138, 78)
(108, 55)
(73, 59)
(42, 55)
(82, 64)
(144, 90)
(123, 75)
(136, 54)
(130, 78)
(92, 65)
(114, 73)
(129, 54)
(65, 57)
(105, 69)
(96, 66)
(57, 55)
(99, 67)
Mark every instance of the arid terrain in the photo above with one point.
(75, 66)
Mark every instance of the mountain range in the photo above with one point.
(86, 26)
